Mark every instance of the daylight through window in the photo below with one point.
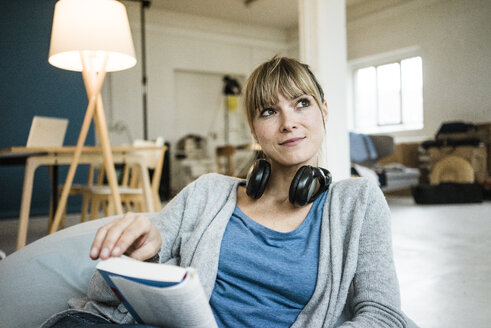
(389, 96)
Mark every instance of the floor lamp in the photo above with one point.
(92, 37)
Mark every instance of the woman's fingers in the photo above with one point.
(147, 246)
(105, 238)
(95, 248)
(109, 245)
(114, 238)
(133, 235)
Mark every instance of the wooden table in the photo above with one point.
(54, 156)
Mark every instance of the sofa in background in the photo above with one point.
(366, 152)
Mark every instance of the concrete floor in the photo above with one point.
(442, 256)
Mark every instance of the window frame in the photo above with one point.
(375, 61)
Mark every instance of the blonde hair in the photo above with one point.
(280, 75)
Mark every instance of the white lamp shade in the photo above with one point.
(97, 27)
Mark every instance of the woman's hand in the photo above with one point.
(133, 235)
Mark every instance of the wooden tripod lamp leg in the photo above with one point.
(101, 126)
(93, 92)
(73, 165)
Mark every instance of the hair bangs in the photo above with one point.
(283, 76)
(280, 80)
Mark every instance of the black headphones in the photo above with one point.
(303, 188)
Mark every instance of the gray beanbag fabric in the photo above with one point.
(37, 280)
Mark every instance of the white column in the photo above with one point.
(322, 28)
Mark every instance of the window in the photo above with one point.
(389, 97)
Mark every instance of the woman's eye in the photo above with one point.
(267, 112)
(304, 102)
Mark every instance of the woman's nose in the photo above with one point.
(288, 121)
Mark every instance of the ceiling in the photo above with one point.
(271, 13)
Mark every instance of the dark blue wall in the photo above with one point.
(30, 86)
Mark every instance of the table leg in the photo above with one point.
(53, 170)
(31, 166)
(147, 190)
(54, 186)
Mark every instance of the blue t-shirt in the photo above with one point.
(266, 277)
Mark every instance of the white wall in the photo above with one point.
(454, 38)
(183, 43)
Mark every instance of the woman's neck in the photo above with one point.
(279, 182)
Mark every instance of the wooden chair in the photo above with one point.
(95, 178)
(130, 188)
(225, 159)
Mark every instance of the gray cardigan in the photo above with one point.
(356, 270)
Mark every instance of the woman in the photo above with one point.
(267, 256)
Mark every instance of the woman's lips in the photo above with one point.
(291, 142)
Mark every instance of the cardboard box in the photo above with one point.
(405, 153)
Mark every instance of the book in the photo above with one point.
(158, 294)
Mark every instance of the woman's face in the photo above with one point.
(291, 131)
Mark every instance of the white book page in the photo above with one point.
(184, 305)
(129, 267)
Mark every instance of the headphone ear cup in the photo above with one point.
(324, 178)
(257, 178)
(303, 186)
